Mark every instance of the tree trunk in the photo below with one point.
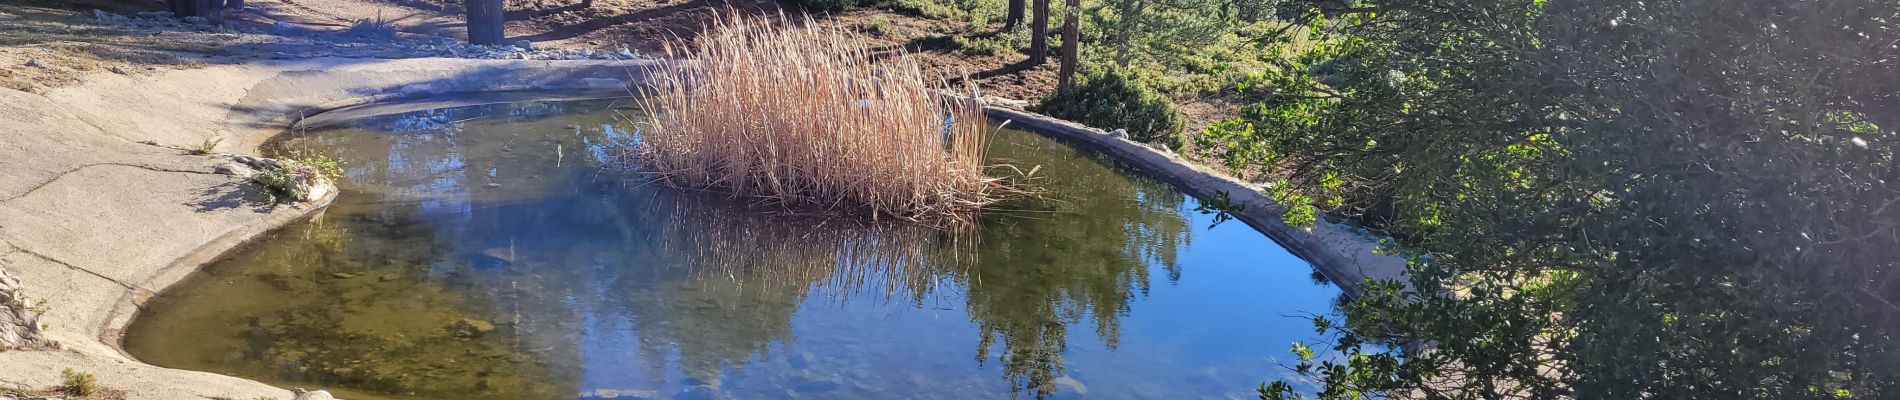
(1039, 34)
(484, 21)
(1071, 44)
(587, 3)
(1014, 18)
(1130, 11)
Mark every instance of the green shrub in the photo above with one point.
(882, 27)
(1111, 98)
(985, 46)
(79, 383)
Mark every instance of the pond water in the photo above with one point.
(477, 253)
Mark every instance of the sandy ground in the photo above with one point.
(645, 25)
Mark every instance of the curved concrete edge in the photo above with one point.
(1346, 258)
(97, 223)
(112, 332)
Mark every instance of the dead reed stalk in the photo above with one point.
(802, 115)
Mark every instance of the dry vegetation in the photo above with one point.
(797, 114)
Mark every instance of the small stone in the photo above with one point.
(492, 185)
(1119, 133)
(470, 327)
(234, 169)
(524, 44)
(343, 275)
(316, 395)
(1070, 384)
(35, 63)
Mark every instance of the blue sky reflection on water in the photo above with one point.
(1113, 285)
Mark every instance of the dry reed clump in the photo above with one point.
(796, 114)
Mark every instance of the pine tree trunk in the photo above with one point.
(1039, 34)
(1014, 18)
(1130, 11)
(1071, 44)
(484, 21)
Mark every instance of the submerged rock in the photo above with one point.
(1071, 385)
(473, 328)
(621, 394)
(818, 384)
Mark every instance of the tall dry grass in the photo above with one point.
(791, 113)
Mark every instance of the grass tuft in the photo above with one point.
(79, 383)
(799, 114)
(206, 147)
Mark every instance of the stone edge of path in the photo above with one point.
(246, 105)
(1347, 258)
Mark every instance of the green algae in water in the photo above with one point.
(475, 253)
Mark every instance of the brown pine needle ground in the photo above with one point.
(807, 116)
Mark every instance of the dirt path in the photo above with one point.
(645, 25)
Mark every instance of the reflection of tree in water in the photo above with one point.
(1083, 260)
(723, 282)
(720, 284)
(356, 303)
(711, 283)
(385, 294)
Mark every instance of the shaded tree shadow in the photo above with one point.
(591, 25)
(520, 14)
(233, 195)
(681, 20)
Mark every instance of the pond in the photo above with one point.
(479, 253)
